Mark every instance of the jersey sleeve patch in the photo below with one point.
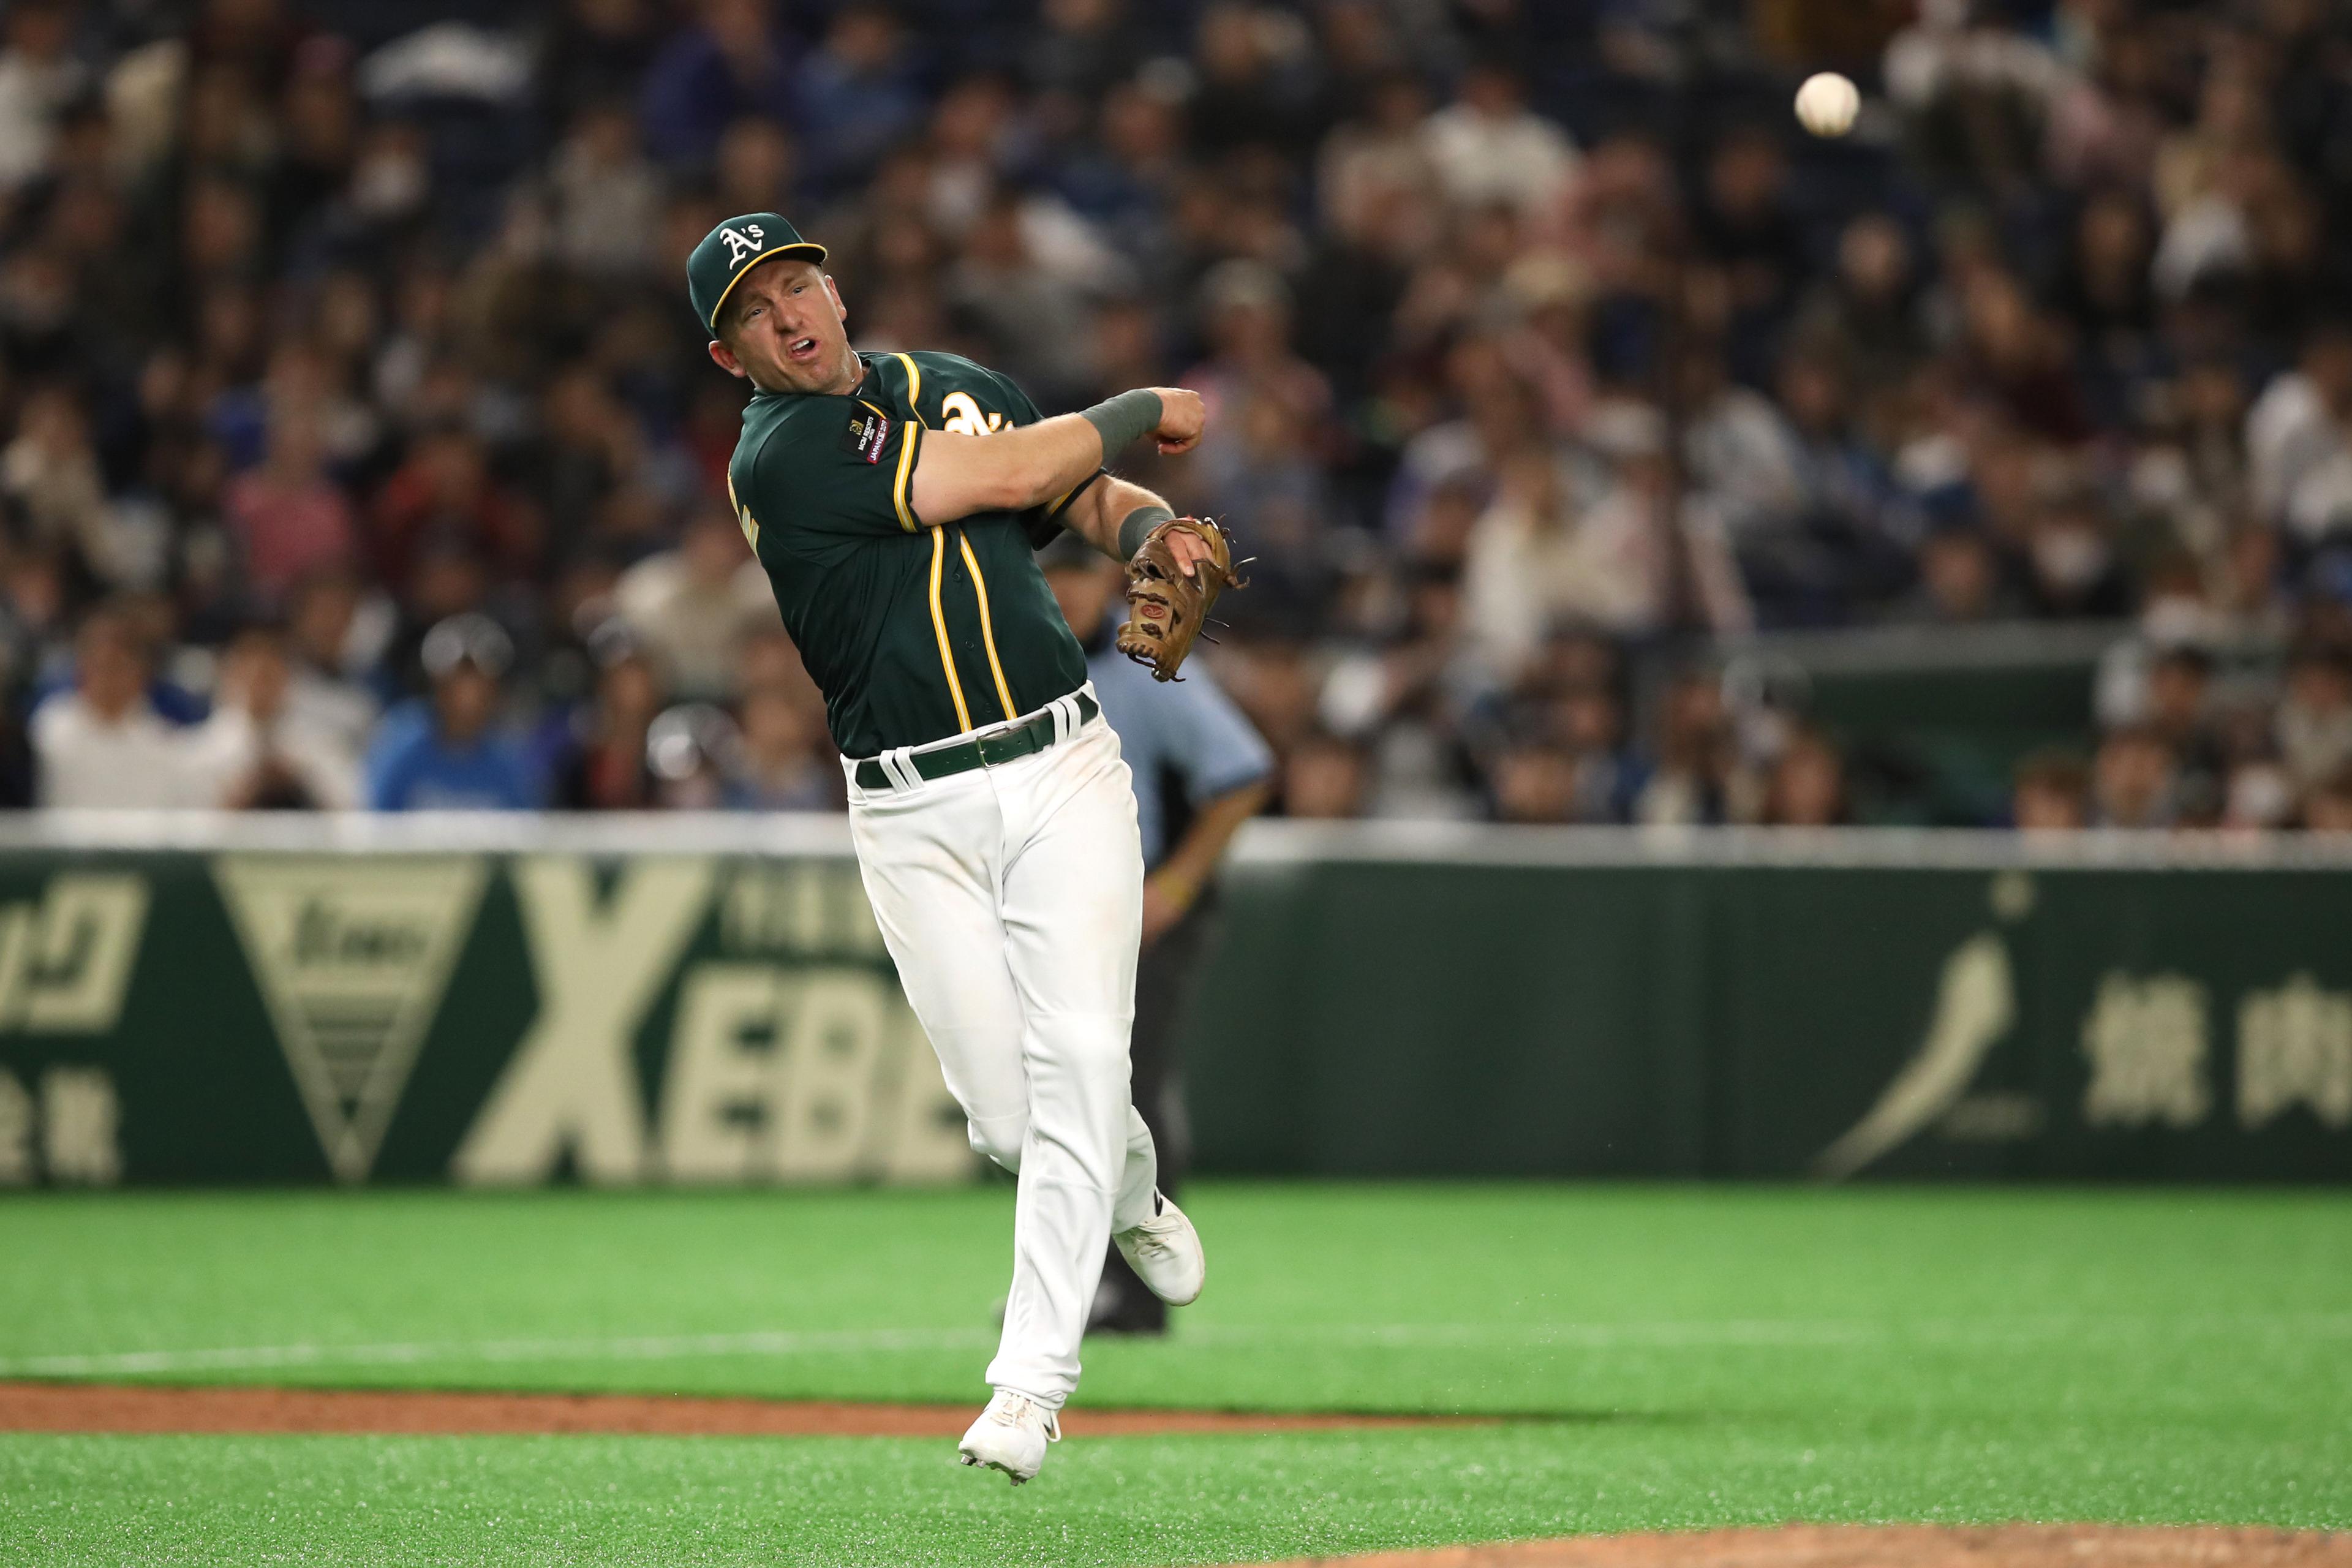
(867, 435)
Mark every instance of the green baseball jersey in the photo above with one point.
(913, 634)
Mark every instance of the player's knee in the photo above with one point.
(1096, 1049)
(999, 1138)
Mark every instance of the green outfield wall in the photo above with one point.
(706, 1000)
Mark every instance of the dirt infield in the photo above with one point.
(1889, 1546)
(130, 1408)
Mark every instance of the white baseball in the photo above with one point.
(1827, 104)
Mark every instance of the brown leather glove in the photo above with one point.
(1166, 609)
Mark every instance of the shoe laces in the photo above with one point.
(1013, 1408)
(1153, 1233)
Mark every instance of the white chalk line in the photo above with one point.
(1760, 1334)
(641, 1347)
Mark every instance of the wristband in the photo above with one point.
(1137, 527)
(1179, 890)
(1124, 420)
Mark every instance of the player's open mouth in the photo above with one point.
(801, 349)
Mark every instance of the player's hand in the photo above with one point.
(1182, 416)
(1189, 549)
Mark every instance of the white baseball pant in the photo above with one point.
(1012, 900)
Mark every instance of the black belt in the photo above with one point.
(1027, 738)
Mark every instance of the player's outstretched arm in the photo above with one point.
(1014, 469)
(1113, 515)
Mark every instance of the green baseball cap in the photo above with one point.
(733, 249)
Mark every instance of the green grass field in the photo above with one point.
(1670, 1357)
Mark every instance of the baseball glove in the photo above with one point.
(1167, 609)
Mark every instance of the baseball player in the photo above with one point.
(894, 500)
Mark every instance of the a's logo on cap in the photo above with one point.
(748, 241)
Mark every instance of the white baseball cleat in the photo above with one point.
(1165, 1253)
(1011, 1436)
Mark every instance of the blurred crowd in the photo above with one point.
(358, 445)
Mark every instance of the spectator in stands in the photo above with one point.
(1003, 289)
(693, 605)
(2315, 720)
(446, 493)
(855, 95)
(2181, 711)
(1488, 146)
(1642, 554)
(444, 752)
(1324, 777)
(50, 475)
(2299, 439)
(783, 766)
(603, 198)
(2052, 794)
(289, 518)
(1960, 580)
(2072, 569)
(730, 61)
(2132, 780)
(1808, 786)
(587, 445)
(1745, 228)
(102, 745)
(758, 168)
(1535, 781)
(1257, 86)
(596, 51)
(39, 78)
(259, 751)
(1530, 566)
(1867, 312)
(334, 641)
(1695, 781)
(1590, 723)
(608, 769)
(2328, 808)
(693, 750)
(2257, 796)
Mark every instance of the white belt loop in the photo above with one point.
(1066, 721)
(897, 763)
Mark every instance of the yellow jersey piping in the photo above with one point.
(939, 626)
(900, 498)
(901, 494)
(987, 631)
(1062, 502)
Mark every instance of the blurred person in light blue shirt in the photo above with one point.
(1200, 771)
(444, 752)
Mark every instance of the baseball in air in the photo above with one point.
(1827, 104)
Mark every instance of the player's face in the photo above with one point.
(786, 332)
